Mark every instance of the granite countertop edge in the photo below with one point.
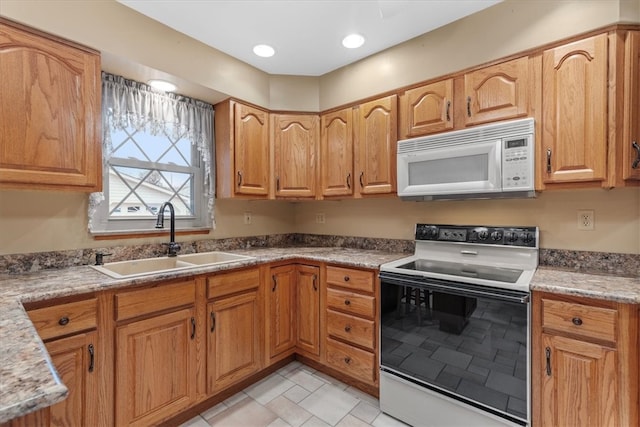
(28, 381)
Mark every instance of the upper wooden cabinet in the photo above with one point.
(242, 150)
(498, 92)
(427, 109)
(336, 153)
(631, 134)
(376, 137)
(295, 140)
(50, 109)
(573, 144)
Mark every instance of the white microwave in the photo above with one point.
(489, 161)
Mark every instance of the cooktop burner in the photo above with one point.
(497, 274)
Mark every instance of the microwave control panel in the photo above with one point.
(517, 164)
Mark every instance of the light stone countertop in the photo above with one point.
(28, 382)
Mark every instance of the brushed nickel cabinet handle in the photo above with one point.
(469, 106)
(275, 283)
(239, 178)
(315, 282)
(213, 321)
(193, 327)
(349, 180)
(548, 160)
(361, 179)
(91, 357)
(547, 352)
(448, 110)
(636, 162)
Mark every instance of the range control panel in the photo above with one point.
(507, 236)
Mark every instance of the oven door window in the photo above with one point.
(474, 349)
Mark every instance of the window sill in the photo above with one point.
(133, 234)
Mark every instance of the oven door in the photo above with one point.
(466, 342)
(461, 169)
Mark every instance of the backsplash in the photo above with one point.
(627, 265)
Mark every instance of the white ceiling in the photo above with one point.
(306, 34)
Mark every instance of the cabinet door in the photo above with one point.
(295, 139)
(377, 135)
(251, 150)
(233, 351)
(427, 109)
(631, 134)
(579, 385)
(308, 309)
(336, 153)
(574, 109)
(155, 368)
(498, 92)
(50, 108)
(281, 310)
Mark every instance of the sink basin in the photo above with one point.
(146, 266)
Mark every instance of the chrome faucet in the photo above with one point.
(173, 246)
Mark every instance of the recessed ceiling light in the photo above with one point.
(263, 50)
(353, 41)
(162, 85)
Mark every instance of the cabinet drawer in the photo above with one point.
(353, 329)
(353, 279)
(146, 301)
(351, 361)
(358, 304)
(229, 283)
(585, 320)
(64, 319)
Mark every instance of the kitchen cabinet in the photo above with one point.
(585, 362)
(631, 133)
(573, 144)
(336, 153)
(308, 310)
(71, 339)
(351, 323)
(281, 301)
(51, 114)
(296, 139)
(155, 346)
(376, 136)
(234, 335)
(242, 150)
(427, 109)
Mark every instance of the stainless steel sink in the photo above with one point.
(147, 266)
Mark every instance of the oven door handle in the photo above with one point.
(461, 289)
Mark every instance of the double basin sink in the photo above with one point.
(146, 266)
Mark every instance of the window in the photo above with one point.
(156, 149)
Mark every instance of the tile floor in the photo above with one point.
(296, 395)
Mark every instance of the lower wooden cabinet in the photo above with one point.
(281, 300)
(308, 310)
(585, 362)
(234, 333)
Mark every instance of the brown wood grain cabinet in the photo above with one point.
(242, 150)
(51, 118)
(585, 362)
(308, 310)
(296, 139)
(336, 153)
(426, 109)
(155, 355)
(376, 136)
(630, 142)
(281, 302)
(234, 331)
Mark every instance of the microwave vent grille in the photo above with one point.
(490, 132)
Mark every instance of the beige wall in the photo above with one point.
(617, 217)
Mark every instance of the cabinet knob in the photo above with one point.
(347, 302)
(63, 321)
(347, 328)
(347, 278)
(347, 360)
(577, 321)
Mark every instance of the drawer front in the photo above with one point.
(146, 301)
(353, 329)
(64, 319)
(351, 361)
(353, 279)
(229, 283)
(358, 304)
(585, 320)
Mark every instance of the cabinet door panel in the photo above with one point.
(574, 104)
(282, 301)
(233, 351)
(631, 134)
(155, 368)
(251, 150)
(336, 153)
(427, 109)
(308, 309)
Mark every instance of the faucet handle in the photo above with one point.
(173, 248)
(100, 258)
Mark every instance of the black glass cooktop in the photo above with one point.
(496, 274)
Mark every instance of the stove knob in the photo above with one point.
(512, 236)
(496, 235)
(526, 237)
(483, 234)
(432, 233)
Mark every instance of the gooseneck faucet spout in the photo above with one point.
(173, 246)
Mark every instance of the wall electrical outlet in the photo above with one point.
(586, 220)
(247, 218)
(320, 218)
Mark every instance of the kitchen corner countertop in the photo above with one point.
(28, 381)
